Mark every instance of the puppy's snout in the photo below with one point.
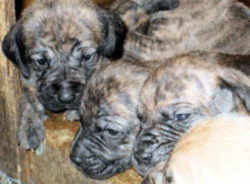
(67, 91)
(143, 156)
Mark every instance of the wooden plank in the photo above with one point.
(9, 95)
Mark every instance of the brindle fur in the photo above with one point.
(57, 46)
(195, 25)
(181, 91)
(135, 13)
(109, 123)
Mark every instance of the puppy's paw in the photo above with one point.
(31, 132)
(71, 115)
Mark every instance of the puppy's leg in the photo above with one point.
(5, 179)
(31, 132)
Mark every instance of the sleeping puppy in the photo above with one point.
(57, 45)
(195, 25)
(215, 150)
(181, 91)
(109, 124)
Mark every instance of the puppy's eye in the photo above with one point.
(42, 61)
(181, 117)
(112, 132)
(86, 57)
(98, 129)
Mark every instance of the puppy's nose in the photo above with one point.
(67, 91)
(66, 96)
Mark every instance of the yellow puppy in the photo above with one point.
(215, 151)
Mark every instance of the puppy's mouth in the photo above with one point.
(57, 97)
(97, 161)
(98, 168)
(149, 150)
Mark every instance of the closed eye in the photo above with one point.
(112, 132)
(182, 116)
(86, 57)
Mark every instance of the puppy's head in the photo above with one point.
(57, 45)
(109, 123)
(176, 95)
(215, 150)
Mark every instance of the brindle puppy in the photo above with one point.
(57, 45)
(109, 124)
(178, 93)
(221, 26)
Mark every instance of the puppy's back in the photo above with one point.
(217, 151)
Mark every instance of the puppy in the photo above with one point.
(181, 91)
(57, 46)
(109, 124)
(215, 150)
(218, 26)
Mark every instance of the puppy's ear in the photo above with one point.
(13, 48)
(113, 34)
(234, 88)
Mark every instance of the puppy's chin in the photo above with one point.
(101, 169)
(54, 106)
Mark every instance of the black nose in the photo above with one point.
(66, 96)
(67, 91)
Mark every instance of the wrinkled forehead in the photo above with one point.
(123, 104)
(60, 30)
(193, 86)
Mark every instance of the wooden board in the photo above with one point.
(9, 95)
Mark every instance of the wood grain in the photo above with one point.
(9, 95)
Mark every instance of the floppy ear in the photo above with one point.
(14, 49)
(113, 34)
(233, 86)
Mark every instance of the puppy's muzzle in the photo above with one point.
(60, 96)
(67, 92)
(143, 152)
(92, 158)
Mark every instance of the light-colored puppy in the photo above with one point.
(215, 151)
